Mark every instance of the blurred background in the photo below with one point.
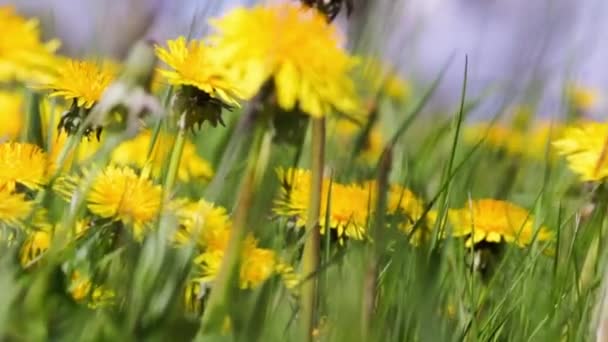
(519, 51)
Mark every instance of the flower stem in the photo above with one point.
(33, 126)
(216, 310)
(312, 246)
(176, 154)
(373, 253)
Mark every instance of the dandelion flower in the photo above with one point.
(349, 208)
(134, 152)
(121, 194)
(294, 47)
(380, 77)
(582, 98)
(257, 264)
(11, 114)
(34, 246)
(192, 65)
(22, 163)
(82, 289)
(586, 149)
(347, 132)
(82, 82)
(496, 221)
(23, 56)
(203, 222)
(205, 85)
(14, 207)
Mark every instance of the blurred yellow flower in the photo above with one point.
(293, 46)
(257, 264)
(12, 114)
(14, 207)
(381, 77)
(119, 193)
(192, 64)
(22, 163)
(496, 221)
(582, 98)
(34, 246)
(585, 146)
(134, 152)
(82, 290)
(346, 133)
(349, 208)
(23, 56)
(82, 82)
(532, 142)
(203, 222)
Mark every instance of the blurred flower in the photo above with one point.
(496, 221)
(533, 142)
(582, 98)
(23, 56)
(585, 146)
(121, 194)
(206, 86)
(82, 82)
(11, 114)
(82, 290)
(379, 77)
(346, 133)
(257, 264)
(408, 208)
(14, 207)
(349, 207)
(134, 152)
(294, 47)
(203, 222)
(34, 246)
(22, 163)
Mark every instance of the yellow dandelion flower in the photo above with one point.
(82, 82)
(134, 152)
(346, 133)
(34, 246)
(11, 114)
(204, 222)
(14, 207)
(293, 46)
(585, 146)
(381, 77)
(82, 289)
(22, 163)
(192, 64)
(257, 264)
(495, 221)
(349, 209)
(121, 194)
(23, 56)
(582, 98)
(288, 275)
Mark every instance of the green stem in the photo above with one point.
(377, 233)
(312, 246)
(33, 125)
(226, 278)
(176, 154)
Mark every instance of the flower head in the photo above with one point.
(23, 56)
(80, 81)
(203, 222)
(22, 163)
(134, 152)
(14, 207)
(495, 221)
(586, 149)
(11, 114)
(34, 246)
(192, 64)
(349, 207)
(582, 98)
(295, 48)
(121, 194)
